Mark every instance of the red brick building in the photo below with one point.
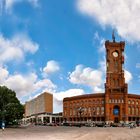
(115, 105)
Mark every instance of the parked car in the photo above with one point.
(66, 124)
(138, 123)
(100, 124)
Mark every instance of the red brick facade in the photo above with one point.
(115, 105)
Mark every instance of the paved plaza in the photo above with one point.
(69, 133)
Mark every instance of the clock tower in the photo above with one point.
(115, 86)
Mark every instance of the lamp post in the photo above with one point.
(80, 111)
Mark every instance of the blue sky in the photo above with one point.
(58, 46)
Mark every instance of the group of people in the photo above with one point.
(132, 125)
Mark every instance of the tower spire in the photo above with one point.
(113, 36)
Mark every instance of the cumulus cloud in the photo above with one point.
(118, 14)
(128, 76)
(59, 96)
(51, 67)
(86, 76)
(3, 74)
(16, 47)
(25, 85)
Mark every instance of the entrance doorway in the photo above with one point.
(116, 120)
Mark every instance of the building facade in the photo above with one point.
(41, 104)
(40, 110)
(115, 105)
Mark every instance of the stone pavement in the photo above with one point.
(69, 133)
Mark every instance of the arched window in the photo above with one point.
(70, 112)
(93, 110)
(98, 110)
(102, 110)
(74, 113)
(102, 101)
(137, 111)
(129, 110)
(132, 102)
(112, 100)
(129, 102)
(119, 101)
(116, 110)
(137, 102)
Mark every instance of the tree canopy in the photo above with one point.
(11, 109)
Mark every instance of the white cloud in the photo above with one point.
(3, 74)
(68, 93)
(51, 67)
(59, 96)
(101, 40)
(25, 85)
(122, 15)
(98, 89)
(45, 85)
(10, 3)
(86, 76)
(16, 47)
(128, 76)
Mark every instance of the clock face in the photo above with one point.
(115, 54)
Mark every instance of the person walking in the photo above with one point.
(3, 126)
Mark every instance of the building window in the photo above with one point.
(70, 112)
(94, 110)
(129, 102)
(98, 110)
(102, 101)
(115, 100)
(102, 110)
(89, 111)
(137, 102)
(65, 113)
(112, 100)
(109, 100)
(74, 113)
(85, 111)
(129, 110)
(133, 111)
(119, 101)
(133, 102)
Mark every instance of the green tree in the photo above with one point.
(11, 109)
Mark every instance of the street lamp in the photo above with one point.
(80, 111)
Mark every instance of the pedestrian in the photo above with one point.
(131, 126)
(3, 126)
